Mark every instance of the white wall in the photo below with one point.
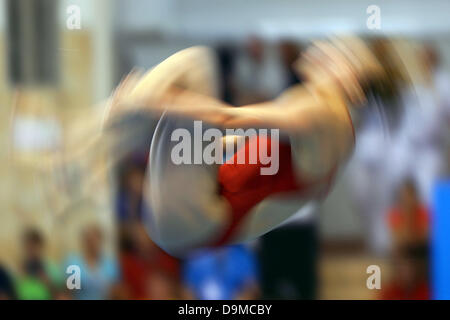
(304, 18)
(96, 18)
(88, 15)
(87, 8)
(135, 15)
(2, 15)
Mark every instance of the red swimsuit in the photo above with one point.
(244, 186)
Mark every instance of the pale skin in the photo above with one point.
(333, 83)
(297, 110)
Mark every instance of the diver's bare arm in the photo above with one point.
(295, 110)
(287, 113)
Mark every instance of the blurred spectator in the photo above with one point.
(288, 257)
(7, 290)
(373, 177)
(249, 72)
(40, 278)
(409, 225)
(408, 219)
(422, 152)
(258, 76)
(226, 61)
(289, 53)
(129, 201)
(410, 276)
(99, 272)
(147, 271)
(223, 273)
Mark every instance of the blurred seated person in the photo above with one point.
(99, 272)
(7, 291)
(409, 224)
(289, 53)
(408, 219)
(129, 205)
(223, 273)
(40, 278)
(257, 75)
(409, 276)
(147, 271)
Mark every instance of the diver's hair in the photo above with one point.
(385, 89)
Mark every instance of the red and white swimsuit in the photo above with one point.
(198, 205)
